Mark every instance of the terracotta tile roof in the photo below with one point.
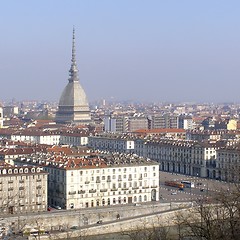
(21, 151)
(68, 151)
(7, 131)
(94, 160)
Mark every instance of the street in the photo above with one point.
(203, 188)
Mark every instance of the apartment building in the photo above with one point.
(163, 121)
(99, 179)
(180, 156)
(122, 143)
(10, 111)
(22, 189)
(186, 157)
(34, 135)
(202, 135)
(74, 137)
(227, 165)
(9, 154)
(124, 123)
(116, 123)
(135, 123)
(171, 133)
(185, 122)
(37, 136)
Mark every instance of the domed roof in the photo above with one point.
(73, 95)
(73, 104)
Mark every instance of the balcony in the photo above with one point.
(10, 189)
(155, 186)
(87, 182)
(21, 181)
(134, 188)
(97, 181)
(114, 189)
(38, 195)
(130, 179)
(103, 190)
(125, 188)
(21, 188)
(39, 180)
(72, 192)
(108, 180)
(11, 181)
(81, 191)
(145, 187)
(92, 191)
(39, 187)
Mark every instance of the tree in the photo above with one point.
(156, 231)
(13, 230)
(218, 220)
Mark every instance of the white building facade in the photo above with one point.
(180, 156)
(104, 180)
(40, 137)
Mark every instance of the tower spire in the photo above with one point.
(73, 47)
(73, 76)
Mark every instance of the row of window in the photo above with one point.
(21, 179)
(115, 170)
(120, 177)
(19, 170)
(103, 171)
(118, 200)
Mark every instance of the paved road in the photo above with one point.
(204, 188)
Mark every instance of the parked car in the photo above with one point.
(173, 193)
(73, 227)
(137, 204)
(57, 207)
(99, 222)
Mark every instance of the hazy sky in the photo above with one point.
(146, 50)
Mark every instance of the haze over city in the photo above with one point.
(126, 50)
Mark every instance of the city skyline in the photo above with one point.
(126, 50)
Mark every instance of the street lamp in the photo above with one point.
(191, 194)
(207, 190)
